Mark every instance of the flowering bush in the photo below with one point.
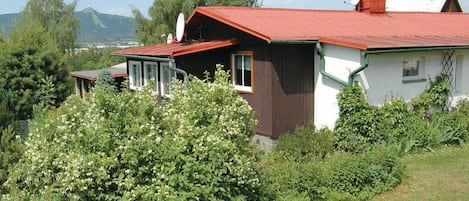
(126, 147)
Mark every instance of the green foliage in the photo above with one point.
(163, 15)
(57, 19)
(305, 143)
(30, 61)
(93, 59)
(435, 96)
(126, 147)
(364, 175)
(11, 151)
(7, 115)
(358, 125)
(105, 80)
(338, 176)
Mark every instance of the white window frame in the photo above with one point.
(234, 75)
(166, 90)
(132, 85)
(421, 61)
(146, 74)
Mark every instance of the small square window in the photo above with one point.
(413, 68)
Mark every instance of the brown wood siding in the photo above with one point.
(199, 63)
(284, 76)
(292, 86)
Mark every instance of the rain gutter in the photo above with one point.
(292, 42)
(322, 66)
(130, 56)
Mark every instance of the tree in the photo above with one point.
(30, 59)
(164, 13)
(56, 17)
(93, 59)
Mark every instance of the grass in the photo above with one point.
(440, 175)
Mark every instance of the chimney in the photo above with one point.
(371, 6)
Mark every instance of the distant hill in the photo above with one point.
(95, 27)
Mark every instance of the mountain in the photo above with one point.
(95, 27)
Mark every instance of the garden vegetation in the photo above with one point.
(196, 146)
(362, 156)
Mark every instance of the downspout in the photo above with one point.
(366, 62)
(322, 67)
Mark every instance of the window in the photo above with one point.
(135, 75)
(242, 71)
(168, 73)
(413, 68)
(151, 75)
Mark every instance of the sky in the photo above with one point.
(124, 7)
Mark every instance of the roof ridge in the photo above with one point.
(272, 8)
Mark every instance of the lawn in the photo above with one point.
(439, 175)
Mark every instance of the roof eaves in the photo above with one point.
(339, 42)
(204, 48)
(206, 11)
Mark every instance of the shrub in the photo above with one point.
(306, 144)
(338, 176)
(358, 124)
(125, 147)
(361, 176)
(434, 97)
(11, 151)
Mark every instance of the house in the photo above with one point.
(85, 80)
(423, 5)
(290, 64)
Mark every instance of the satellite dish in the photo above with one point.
(354, 2)
(180, 25)
(169, 40)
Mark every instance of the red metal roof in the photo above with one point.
(346, 28)
(176, 49)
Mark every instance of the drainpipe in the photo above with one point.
(322, 66)
(358, 70)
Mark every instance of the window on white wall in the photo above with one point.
(413, 68)
(242, 71)
(151, 75)
(135, 75)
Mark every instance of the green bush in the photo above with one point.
(338, 176)
(358, 124)
(125, 147)
(361, 176)
(434, 97)
(306, 144)
(11, 151)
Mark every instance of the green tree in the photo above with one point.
(164, 13)
(29, 59)
(56, 17)
(93, 59)
(11, 151)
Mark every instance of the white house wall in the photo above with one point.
(382, 80)
(415, 5)
(384, 76)
(340, 61)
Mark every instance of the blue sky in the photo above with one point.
(123, 7)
